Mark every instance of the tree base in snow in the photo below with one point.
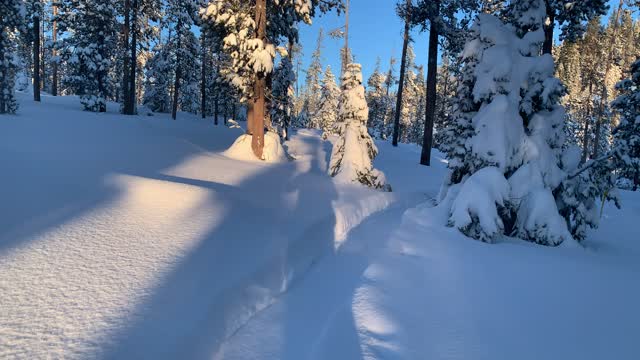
(273, 151)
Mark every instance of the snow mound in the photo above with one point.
(273, 151)
(475, 211)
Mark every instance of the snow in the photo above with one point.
(138, 237)
(273, 152)
(480, 197)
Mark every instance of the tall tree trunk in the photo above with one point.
(36, 57)
(259, 86)
(548, 27)
(126, 107)
(134, 58)
(587, 119)
(604, 95)
(54, 52)
(203, 80)
(432, 77)
(403, 65)
(178, 71)
(3, 75)
(43, 74)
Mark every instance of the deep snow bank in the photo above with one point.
(147, 242)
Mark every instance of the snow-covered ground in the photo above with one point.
(136, 237)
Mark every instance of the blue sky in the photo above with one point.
(375, 30)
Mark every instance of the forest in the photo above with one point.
(139, 138)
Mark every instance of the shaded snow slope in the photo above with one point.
(134, 237)
(404, 286)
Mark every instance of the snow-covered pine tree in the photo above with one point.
(377, 102)
(326, 116)
(627, 134)
(252, 29)
(182, 15)
(410, 97)
(89, 49)
(506, 143)
(352, 155)
(11, 21)
(313, 83)
(446, 91)
(138, 32)
(417, 125)
(283, 95)
(158, 80)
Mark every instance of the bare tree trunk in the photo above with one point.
(203, 80)
(432, 78)
(176, 85)
(126, 107)
(134, 59)
(3, 76)
(585, 138)
(54, 52)
(259, 86)
(548, 27)
(43, 74)
(403, 65)
(36, 57)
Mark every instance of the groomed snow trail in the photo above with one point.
(133, 237)
(406, 287)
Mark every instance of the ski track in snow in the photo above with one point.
(133, 237)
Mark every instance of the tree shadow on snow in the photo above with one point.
(276, 225)
(48, 181)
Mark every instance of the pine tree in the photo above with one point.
(404, 10)
(377, 102)
(326, 116)
(446, 90)
(158, 80)
(508, 103)
(283, 95)
(181, 14)
(353, 153)
(252, 51)
(447, 18)
(570, 16)
(312, 83)
(627, 133)
(11, 21)
(89, 49)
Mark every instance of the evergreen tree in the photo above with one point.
(251, 45)
(326, 116)
(449, 19)
(89, 49)
(181, 14)
(11, 21)
(377, 102)
(312, 83)
(353, 153)
(508, 104)
(627, 133)
(158, 80)
(283, 95)
(570, 16)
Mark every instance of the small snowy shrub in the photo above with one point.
(353, 153)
